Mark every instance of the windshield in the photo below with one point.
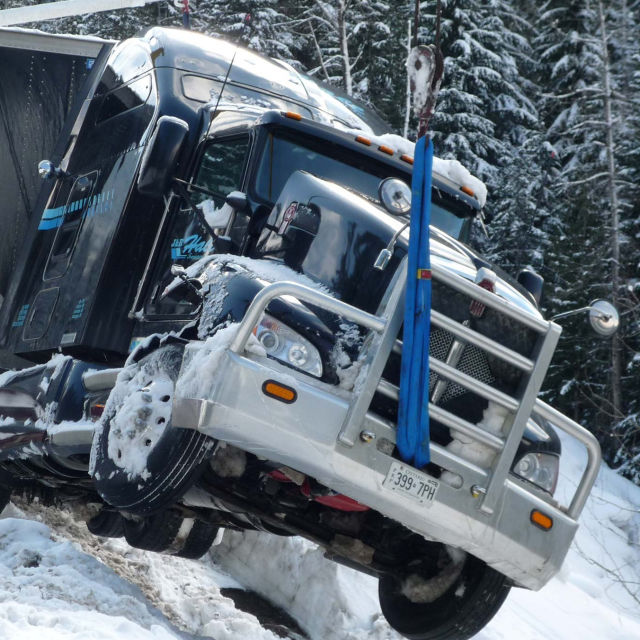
(282, 156)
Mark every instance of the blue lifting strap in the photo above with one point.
(413, 414)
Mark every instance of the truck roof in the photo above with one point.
(448, 175)
(226, 62)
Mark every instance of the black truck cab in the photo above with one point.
(91, 282)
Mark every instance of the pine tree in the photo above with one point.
(347, 35)
(481, 107)
(583, 111)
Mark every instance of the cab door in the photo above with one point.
(184, 239)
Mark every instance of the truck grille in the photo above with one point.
(465, 357)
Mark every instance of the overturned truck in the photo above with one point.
(213, 285)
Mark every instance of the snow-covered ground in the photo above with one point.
(60, 583)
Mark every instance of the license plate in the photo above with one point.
(410, 482)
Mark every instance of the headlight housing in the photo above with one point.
(540, 469)
(284, 344)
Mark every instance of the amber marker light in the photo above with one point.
(363, 140)
(406, 158)
(541, 520)
(385, 149)
(279, 391)
(468, 191)
(293, 115)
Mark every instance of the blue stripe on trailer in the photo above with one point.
(413, 413)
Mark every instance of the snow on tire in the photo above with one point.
(140, 463)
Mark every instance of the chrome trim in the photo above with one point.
(305, 294)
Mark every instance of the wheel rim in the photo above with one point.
(140, 424)
(140, 462)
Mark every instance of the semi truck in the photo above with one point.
(210, 298)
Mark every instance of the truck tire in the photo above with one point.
(106, 524)
(6, 488)
(163, 533)
(464, 608)
(149, 467)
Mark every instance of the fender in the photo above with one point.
(229, 290)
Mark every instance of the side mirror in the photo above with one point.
(603, 318)
(161, 156)
(395, 196)
(532, 282)
(47, 170)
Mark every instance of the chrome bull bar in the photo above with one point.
(489, 483)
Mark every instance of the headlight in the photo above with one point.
(286, 345)
(539, 468)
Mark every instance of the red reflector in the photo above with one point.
(96, 411)
(342, 503)
(424, 274)
(485, 279)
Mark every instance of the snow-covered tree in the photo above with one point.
(583, 109)
(347, 35)
(482, 108)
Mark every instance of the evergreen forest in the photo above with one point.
(540, 100)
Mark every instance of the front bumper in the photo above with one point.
(304, 436)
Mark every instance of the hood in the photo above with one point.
(452, 255)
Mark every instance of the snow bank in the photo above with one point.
(331, 602)
(50, 589)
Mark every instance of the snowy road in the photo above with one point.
(60, 583)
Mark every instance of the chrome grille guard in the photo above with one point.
(489, 483)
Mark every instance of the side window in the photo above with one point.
(220, 172)
(127, 62)
(124, 98)
(116, 122)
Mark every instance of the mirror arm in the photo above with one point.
(178, 271)
(480, 217)
(385, 254)
(603, 317)
(574, 312)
